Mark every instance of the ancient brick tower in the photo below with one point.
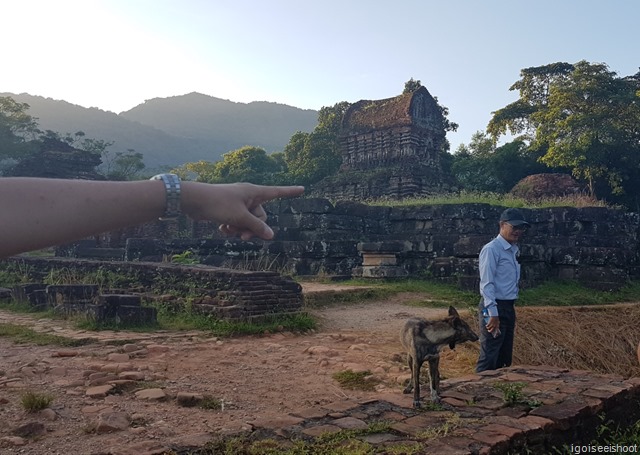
(390, 148)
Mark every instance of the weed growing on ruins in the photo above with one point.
(502, 200)
(252, 261)
(345, 442)
(607, 434)
(12, 273)
(35, 401)
(21, 334)
(428, 406)
(512, 394)
(451, 423)
(105, 279)
(360, 380)
(186, 258)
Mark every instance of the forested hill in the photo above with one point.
(175, 130)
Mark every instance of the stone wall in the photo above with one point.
(229, 294)
(597, 246)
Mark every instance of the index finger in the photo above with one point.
(275, 192)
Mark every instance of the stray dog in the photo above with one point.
(423, 339)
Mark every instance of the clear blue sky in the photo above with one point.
(115, 54)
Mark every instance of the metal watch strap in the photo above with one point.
(172, 188)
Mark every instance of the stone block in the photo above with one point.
(136, 315)
(373, 260)
(71, 293)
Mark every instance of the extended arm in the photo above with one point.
(35, 213)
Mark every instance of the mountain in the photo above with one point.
(179, 129)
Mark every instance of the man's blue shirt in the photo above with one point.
(499, 273)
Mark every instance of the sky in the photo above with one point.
(115, 54)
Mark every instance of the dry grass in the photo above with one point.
(603, 338)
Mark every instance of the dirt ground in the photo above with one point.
(255, 378)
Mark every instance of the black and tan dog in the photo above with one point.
(423, 339)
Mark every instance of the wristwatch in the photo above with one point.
(172, 188)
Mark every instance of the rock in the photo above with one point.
(157, 348)
(48, 414)
(151, 394)
(30, 430)
(13, 441)
(133, 375)
(109, 422)
(188, 399)
(100, 391)
(65, 353)
(116, 357)
(131, 347)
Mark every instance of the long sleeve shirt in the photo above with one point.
(499, 273)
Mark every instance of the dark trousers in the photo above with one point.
(497, 352)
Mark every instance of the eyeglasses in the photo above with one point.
(521, 227)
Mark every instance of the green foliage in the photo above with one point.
(20, 334)
(172, 317)
(210, 403)
(16, 128)
(411, 86)
(501, 200)
(121, 165)
(511, 391)
(483, 167)
(186, 257)
(360, 380)
(312, 156)
(246, 164)
(584, 118)
(35, 401)
(345, 442)
(27, 151)
(569, 293)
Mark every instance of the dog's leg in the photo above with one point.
(415, 375)
(409, 387)
(434, 378)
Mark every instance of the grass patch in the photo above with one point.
(210, 403)
(502, 200)
(361, 380)
(571, 293)
(21, 334)
(35, 401)
(188, 320)
(344, 442)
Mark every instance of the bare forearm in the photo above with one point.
(35, 213)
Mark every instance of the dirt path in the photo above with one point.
(255, 377)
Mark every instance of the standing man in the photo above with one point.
(499, 276)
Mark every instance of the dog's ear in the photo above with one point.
(453, 312)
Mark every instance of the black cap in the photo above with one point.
(514, 217)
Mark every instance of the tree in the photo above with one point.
(481, 166)
(17, 129)
(122, 165)
(411, 86)
(56, 157)
(246, 164)
(313, 156)
(585, 118)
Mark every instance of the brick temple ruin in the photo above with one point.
(391, 148)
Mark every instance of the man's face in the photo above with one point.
(511, 233)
